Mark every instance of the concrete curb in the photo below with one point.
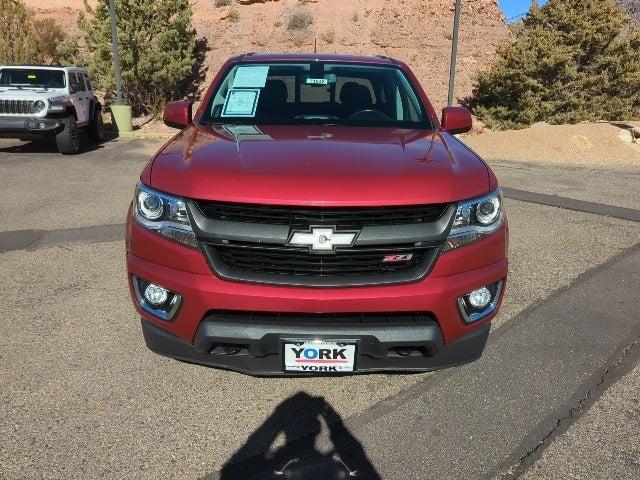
(140, 135)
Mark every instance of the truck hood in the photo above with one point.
(318, 165)
(28, 94)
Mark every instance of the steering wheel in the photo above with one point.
(372, 113)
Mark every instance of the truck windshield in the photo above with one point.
(32, 78)
(316, 92)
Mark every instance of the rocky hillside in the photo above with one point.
(416, 31)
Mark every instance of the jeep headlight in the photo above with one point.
(57, 104)
(475, 219)
(38, 106)
(164, 214)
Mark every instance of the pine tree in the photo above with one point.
(569, 61)
(157, 45)
(16, 35)
(27, 41)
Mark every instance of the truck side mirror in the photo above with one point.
(456, 120)
(178, 114)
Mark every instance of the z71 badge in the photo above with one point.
(406, 257)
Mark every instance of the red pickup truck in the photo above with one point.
(314, 217)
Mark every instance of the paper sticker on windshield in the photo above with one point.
(241, 102)
(329, 78)
(31, 76)
(251, 77)
(317, 81)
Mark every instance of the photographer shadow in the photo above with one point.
(298, 419)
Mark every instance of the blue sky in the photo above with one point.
(511, 8)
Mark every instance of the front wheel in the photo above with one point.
(95, 130)
(68, 140)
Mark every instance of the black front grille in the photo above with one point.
(251, 243)
(252, 262)
(17, 107)
(344, 217)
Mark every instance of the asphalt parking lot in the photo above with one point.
(554, 396)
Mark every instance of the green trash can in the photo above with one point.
(121, 119)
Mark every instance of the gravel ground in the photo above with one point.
(46, 190)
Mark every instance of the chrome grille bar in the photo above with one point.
(17, 107)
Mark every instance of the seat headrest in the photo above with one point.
(274, 93)
(355, 96)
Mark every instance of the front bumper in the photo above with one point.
(262, 345)
(185, 271)
(18, 126)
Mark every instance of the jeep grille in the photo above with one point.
(17, 107)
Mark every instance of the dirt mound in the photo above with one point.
(416, 31)
(601, 144)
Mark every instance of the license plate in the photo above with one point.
(319, 356)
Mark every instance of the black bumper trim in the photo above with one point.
(18, 125)
(261, 345)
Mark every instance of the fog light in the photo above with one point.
(480, 298)
(481, 302)
(43, 125)
(158, 301)
(155, 294)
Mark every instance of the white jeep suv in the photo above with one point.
(49, 102)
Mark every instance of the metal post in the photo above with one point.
(116, 53)
(454, 52)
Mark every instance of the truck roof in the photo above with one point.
(320, 57)
(47, 67)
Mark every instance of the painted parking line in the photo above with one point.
(572, 204)
(37, 239)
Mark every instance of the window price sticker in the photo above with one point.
(241, 102)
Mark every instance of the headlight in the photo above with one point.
(38, 105)
(475, 219)
(164, 214)
(57, 104)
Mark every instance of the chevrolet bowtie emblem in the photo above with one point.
(322, 239)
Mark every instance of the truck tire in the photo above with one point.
(95, 129)
(68, 140)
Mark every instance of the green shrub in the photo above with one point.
(158, 50)
(16, 45)
(329, 36)
(52, 43)
(223, 3)
(300, 18)
(569, 61)
(234, 15)
(27, 41)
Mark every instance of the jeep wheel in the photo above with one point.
(68, 140)
(95, 130)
